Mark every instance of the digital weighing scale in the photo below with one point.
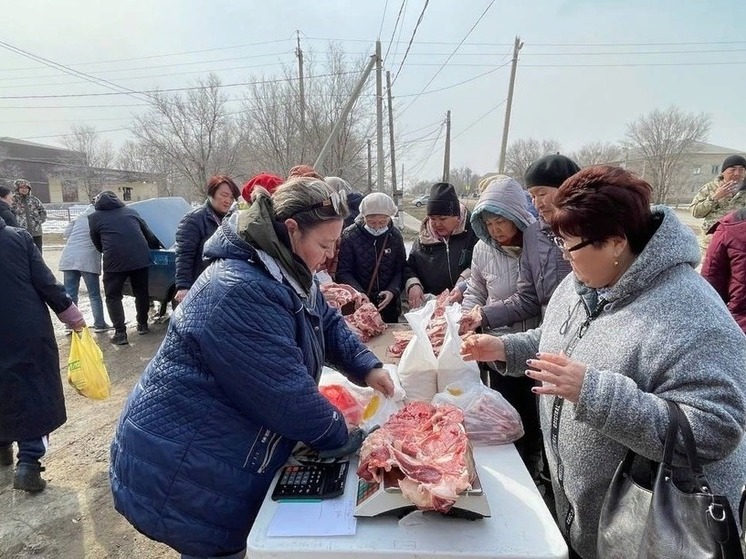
(374, 499)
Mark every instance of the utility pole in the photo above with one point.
(345, 112)
(370, 168)
(394, 193)
(302, 100)
(506, 125)
(447, 157)
(379, 118)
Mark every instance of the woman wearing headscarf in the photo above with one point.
(372, 255)
(196, 227)
(632, 328)
(233, 387)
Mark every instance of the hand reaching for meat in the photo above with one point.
(415, 297)
(455, 296)
(482, 347)
(470, 321)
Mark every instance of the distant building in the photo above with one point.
(61, 175)
(699, 165)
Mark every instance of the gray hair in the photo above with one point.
(293, 199)
(338, 184)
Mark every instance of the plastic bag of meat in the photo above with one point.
(451, 367)
(340, 398)
(418, 365)
(488, 417)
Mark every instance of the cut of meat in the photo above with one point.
(366, 322)
(429, 446)
(339, 294)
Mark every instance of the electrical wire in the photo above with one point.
(396, 24)
(479, 19)
(411, 39)
(478, 120)
(383, 19)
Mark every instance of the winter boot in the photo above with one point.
(119, 338)
(28, 478)
(6, 455)
(143, 329)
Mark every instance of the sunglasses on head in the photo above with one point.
(334, 200)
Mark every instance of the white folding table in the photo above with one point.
(520, 527)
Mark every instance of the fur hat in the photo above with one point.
(268, 181)
(378, 203)
(732, 161)
(550, 170)
(443, 200)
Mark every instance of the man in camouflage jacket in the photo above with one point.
(720, 196)
(29, 210)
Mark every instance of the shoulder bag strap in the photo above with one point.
(378, 264)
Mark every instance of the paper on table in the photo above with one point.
(329, 517)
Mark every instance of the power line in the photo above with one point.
(487, 9)
(430, 153)
(478, 120)
(159, 66)
(488, 72)
(110, 61)
(401, 30)
(409, 46)
(87, 77)
(545, 44)
(173, 89)
(396, 24)
(383, 18)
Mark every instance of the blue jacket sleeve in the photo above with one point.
(248, 345)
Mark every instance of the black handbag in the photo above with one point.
(667, 521)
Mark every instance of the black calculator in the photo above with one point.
(311, 481)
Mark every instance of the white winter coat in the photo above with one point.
(79, 253)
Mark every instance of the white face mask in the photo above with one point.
(376, 232)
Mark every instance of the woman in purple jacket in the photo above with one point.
(725, 263)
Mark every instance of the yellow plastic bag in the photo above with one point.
(86, 371)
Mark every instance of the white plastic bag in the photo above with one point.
(489, 419)
(418, 365)
(378, 411)
(451, 366)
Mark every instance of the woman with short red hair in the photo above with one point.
(196, 227)
(633, 328)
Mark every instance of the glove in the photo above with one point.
(355, 440)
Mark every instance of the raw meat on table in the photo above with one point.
(340, 294)
(428, 445)
(366, 322)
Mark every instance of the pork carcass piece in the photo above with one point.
(337, 295)
(366, 322)
(429, 446)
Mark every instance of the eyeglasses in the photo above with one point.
(560, 242)
(334, 200)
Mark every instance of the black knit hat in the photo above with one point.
(550, 170)
(732, 161)
(443, 200)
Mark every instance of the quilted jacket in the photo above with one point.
(194, 229)
(725, 263)
(358, 252)
(225, 399)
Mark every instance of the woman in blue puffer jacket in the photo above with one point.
(233, 386)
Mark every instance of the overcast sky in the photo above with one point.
(587, 68)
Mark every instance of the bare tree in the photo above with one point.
(463, 179)
(521, 153)
(660, 139)
(9, 171)
(88, 170)
(597, 153)
(135, 156)
(194, 132)
(272, 119)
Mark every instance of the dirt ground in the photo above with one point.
(74, 518)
